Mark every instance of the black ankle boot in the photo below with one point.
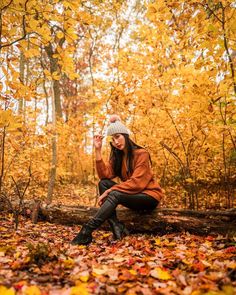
(84, 237)
(118, 228)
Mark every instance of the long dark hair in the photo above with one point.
(116, 156)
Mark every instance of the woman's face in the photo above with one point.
(118, 141)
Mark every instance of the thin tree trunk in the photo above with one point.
(54, 67)
(93, 84)
(52, 175)
(57, 98)
(2, 156)
(45, 89)
(22, 79)
(46, 97)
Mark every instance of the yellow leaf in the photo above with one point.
(60, 34)
(31, 53)
(69, 263)
(72, 34)
(84, 278)
(228, 290)
(157, 241)
(186, 261)
(158, 273)
(99, 271)
(79, 290)
(56, 76)
(133, 272)
(47, 73)
(231, 264)
(5, 291)
(17, 255)
(152, 9)
(81, 247)
(189, 180)
(211, 27)
(34, 24)
(32, 290)
(232, 24)
(6, 118)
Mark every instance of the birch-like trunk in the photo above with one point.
(52, 174)
(22, 79)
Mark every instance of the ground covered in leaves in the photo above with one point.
(39, 260)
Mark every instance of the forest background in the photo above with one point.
(166, 67)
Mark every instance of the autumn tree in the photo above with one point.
(167, 68)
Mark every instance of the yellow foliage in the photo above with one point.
(32, 290)
(6, 291)
(32, 52)
(79, 290)
(166, 72)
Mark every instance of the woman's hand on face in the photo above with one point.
(98, 141)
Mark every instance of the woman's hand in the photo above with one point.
(98, 142)
(102, 198)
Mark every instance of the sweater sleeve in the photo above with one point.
(104, 170)
(140, 178)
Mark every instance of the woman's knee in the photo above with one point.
(113, 197)
(105, 184)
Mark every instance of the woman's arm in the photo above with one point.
(97, 140)
(103, 170)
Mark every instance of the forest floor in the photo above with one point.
(38, 259)
(85, 194)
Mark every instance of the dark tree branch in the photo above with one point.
(172, 153)
(6, 6)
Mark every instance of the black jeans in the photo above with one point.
(135, 202)
(107, 210)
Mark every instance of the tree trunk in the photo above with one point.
(2, 156)
(54, 68)
(159, 221)
(52, 176)
(22, 80)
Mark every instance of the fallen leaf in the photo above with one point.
(158, 273)
(79, 290)
(32, 290)
(6, 291)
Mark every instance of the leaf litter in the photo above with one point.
(39, 260)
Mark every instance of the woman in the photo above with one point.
(137, 190)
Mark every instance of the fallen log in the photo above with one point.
(158, 221)
(161, 220)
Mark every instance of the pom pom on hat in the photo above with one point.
(114, 118)
(116, 126)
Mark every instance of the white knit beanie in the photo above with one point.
(116, 126)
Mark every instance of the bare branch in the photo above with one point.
(172, 153)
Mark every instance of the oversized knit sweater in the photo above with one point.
(140, 181)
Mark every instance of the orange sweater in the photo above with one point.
(141, 180)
